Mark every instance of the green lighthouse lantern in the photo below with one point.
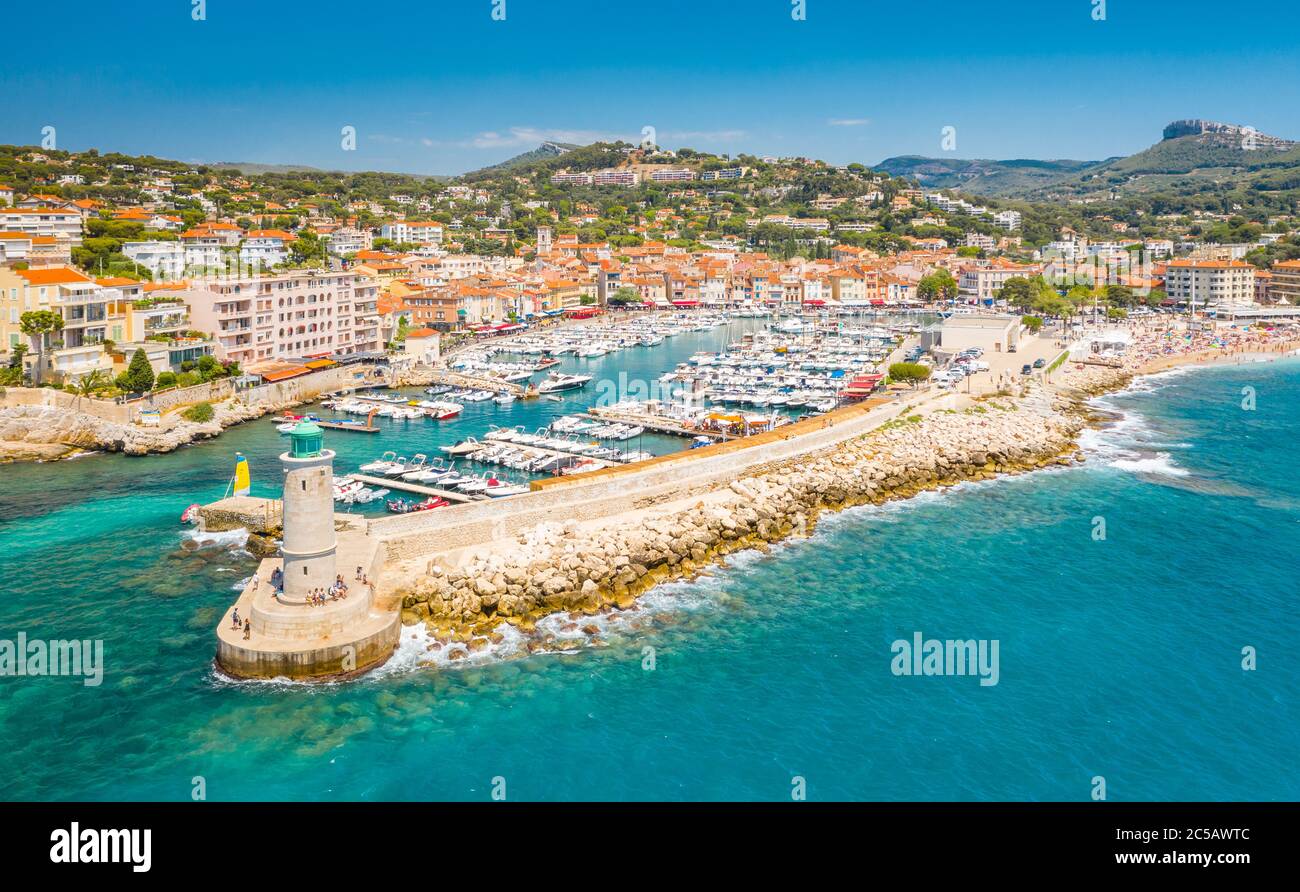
(306, 439)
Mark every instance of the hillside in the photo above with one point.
(1221, 156)
(544, 152)
(995, 179)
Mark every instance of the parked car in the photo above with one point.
(1026, 370)
(1039, 363)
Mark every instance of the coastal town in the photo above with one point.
(854, 339)
(801, 402)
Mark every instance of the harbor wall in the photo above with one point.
(50, 398)
(618, 490)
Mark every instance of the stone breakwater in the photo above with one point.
(47, 432)
(568, 567)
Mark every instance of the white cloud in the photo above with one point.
(849, 122)
(519, 137)
(702, 136)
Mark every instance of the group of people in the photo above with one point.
(235, 623)
(336, 592)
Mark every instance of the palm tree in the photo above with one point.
(91, 383)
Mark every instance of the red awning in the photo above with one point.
(686, 303)
(283, 374)
(877, 302)
(816, 303)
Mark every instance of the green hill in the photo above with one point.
(980, 176)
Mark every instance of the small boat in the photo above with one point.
(504, 399)
(498, 489)
(406, 506)
(382, 464)
(555, 399)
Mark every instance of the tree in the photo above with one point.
(92, 383)
(1033, 323)
(938, 285)
(37, 325)
(139, 374)
(912, 373)
(623, 296)
(200, 412)
(1017, 292)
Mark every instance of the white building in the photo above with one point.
(1211, 283)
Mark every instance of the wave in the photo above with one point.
(237, 538)
(1160, 463)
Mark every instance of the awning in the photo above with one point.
(877, 302)
(284, 374)
(686, 303)
(816, 303)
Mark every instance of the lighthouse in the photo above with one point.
(308, 514)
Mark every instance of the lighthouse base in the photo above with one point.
(339, 639)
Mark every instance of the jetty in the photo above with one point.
(660, 424)
(368, 428)
(389, 483)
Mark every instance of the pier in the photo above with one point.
(389, 483)
(657, 423)
(368, 428)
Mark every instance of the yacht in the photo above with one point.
(564, 382)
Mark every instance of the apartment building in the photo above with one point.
(727, 173)
(1285, 282)
(1008, 220)
(1211, 283)
(571, 179)
(349, 241)
(266, 248)
(59, 223)
(672, 175)
(83, 305)
(304, 314)
(982, 283)
(615, 178)
(418, 233)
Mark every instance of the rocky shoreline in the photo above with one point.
(48, 433)
(558, 568)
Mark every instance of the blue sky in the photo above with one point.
(438, 86)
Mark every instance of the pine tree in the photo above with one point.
(139, 374)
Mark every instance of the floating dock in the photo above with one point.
(367, 428)
(653, 423)
(389, 483)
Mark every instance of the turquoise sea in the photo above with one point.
(1118, 657)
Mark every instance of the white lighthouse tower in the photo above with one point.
(308, 515)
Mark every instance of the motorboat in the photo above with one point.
(406, 506)
(381, 466)
(556, 383)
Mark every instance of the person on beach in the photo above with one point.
(234, 620)
(256, 580)
(248, 629)
(358, 573)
